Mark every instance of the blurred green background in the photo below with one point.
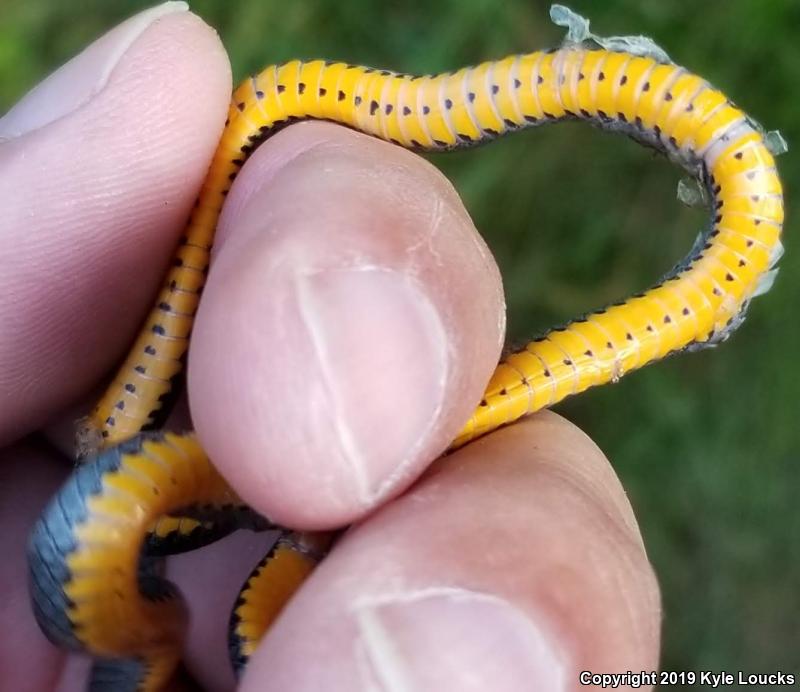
(706, 443)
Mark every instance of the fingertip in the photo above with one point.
(564, 451)
(348, 327)
(571, 531)
(87, 242)
(515, 559)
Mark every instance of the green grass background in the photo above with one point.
(706, 443)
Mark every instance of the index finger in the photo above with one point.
(351, 319)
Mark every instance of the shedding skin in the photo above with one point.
(77, 583)
(662, 105)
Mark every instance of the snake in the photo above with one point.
(96, 553)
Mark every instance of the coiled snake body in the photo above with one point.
(89, 572)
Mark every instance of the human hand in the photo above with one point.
(351, 319)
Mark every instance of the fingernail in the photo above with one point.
(76, 82)
(382, 360)
(454, 639)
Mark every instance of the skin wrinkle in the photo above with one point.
(641, 627)
(349, 445)
(365, 610)
(447, 204)
(426, 240)
(225, 279)
(610, 583)
(621, 558)
(374, 652)
(591, 493)
(366, 672)
(624, 564)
